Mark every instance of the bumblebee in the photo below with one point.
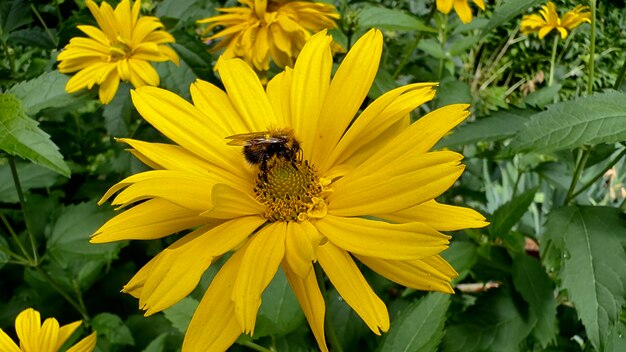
(260, 147)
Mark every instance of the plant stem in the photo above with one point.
(7, 52)
(80, 308)
(581, 160)
(20, 195)
(15, 238)
(54, 40)
(418, 37)
(592, 46)
(600, 174)
(443, 35)
(553, 60)
(255, 346)
(620, 76)
(331, 334)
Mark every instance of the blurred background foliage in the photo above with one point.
(545, 164)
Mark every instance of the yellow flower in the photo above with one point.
(550, 20)
(461, 7)
(49, 337)
(361, 189)
(269, 28)
(120, 49)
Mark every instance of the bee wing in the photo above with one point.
(254, 138)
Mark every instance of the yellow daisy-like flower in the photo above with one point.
(324, 188)
(121, 49)
(461, 7)
(46, 337)
(550, 20)
(269, 28)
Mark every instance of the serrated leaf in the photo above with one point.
(13, 14)
(600, 118)
(462, 256)
(419, 327)
(195, 55)
(280, 311)
(507, 10)
(543, 96)
(498, 126)
(31, 176)
(19, 135)
(509, 214)
(117, 114)
(112, 328)
(493, 323)
(187, 11)
(391, 19)
(180, 314)
(535, 286)
(176, 79)
(45, 91)
(593, 268)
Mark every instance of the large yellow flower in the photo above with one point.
(461, 7)
(269, 28)
(359, 189)
(120, 49)
(550, 20)
(49, 337)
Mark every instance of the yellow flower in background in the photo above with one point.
(46, 337)
(461, 7)
(265, 29)
(313, 185)
(121, 49)
(550, 20)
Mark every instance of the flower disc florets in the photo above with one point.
(291, 191)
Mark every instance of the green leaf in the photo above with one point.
(19, 135)
(45, 91)
(543, 96)
(176, 79)
(617, 338)
(186, 11)
(117, 114)
(507, 10)
(452, 91)
(391, 19)
(420, 326)
(498, 126)
(535, 286)
(431, 47)
(4, 247)
(112, 329)
(158, 344)
(31, 176)
(34, 36)
(180, 314)
(195, 55)
(493, 323)
(593, 268)
(462, 256)
(280, 311)
(509, 214)
(600, 118)
(13, 14)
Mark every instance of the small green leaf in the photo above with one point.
(13, 14)
(600, 118)
(195, 55)
(507, 10)
(509, 214)
(186, 11)
(45, 91)
(112, 328)
(19, 135)
(535, 286)
(493, 323)
(180, 314)
(432, 48)
(391, 19)
(31, 176)
(593, 268)
(543, 96)
(280, 312)
(452, 91)
(117, 114)
(462, 256)
(158, 344)
(420, 326)
(176, 79)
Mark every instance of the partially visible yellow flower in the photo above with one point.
(265, 29)
(550, 20)
(49, 337)
(461, 7)
(119, 50)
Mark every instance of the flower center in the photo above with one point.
(120, 49)
(291, 191)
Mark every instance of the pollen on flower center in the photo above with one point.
(291, 191)
(119, 49)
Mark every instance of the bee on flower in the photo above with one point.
(120, 49)
(461, 7)
(550, 20)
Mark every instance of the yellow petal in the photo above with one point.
(301, 246)
(6, 344)
(48, 336)
(142, 73)
(87, 344)
(441, 217)
(278, 93)
(349, 87)
(65, 332)
(353, 288)
(229, 202)
(480, 3)
(95, 33)
(108, 87)
(216, 105)
(88, 77)
(429, 274)
(214, 326)
(259, 265)
(381, 239)
(444, 6)
(311, 301)
(247, 95)
(461, 7)
(152, 219)
(28, 327)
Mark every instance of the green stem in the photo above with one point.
(581, 160)
(15, 238)
(331, 334)
(20, 195)
(18, 259)
(80, 308)
(54, 40)
(409, 53)
(599, 175)
(443, 36)
(7, 52)
(255, 346)
(620, 76)
(553, 60)
(592, 46)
